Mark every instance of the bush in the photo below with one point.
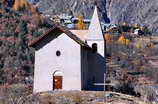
(14, 94)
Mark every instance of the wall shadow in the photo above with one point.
(92, 71)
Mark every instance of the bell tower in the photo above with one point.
(95, 37)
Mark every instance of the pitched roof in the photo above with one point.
(82, 34)
(60, 29)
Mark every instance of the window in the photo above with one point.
(94, 47)
(58, 53)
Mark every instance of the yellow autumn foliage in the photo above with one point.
(150, 45)
(144, 44)
(123, 40)
(20, 4)
(16, 5)
(80, 24)
(140, 44)
(127, 42)
(108, 38)
(23, 4)
(1, 11)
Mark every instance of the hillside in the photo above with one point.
(21, 94)
(131, 61)
(16, 30)
(144, 12)
(75, 7)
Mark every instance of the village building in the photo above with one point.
(70, 59)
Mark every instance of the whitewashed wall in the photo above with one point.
(69, 62)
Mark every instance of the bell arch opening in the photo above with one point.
(94, 47)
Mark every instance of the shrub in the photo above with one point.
(14, 94)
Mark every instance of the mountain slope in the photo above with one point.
(134, 11)
(16, 57)
(75, 7)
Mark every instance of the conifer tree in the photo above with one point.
(22, 35)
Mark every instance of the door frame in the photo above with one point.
(57, 75)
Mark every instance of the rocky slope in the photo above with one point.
(75, 7)
(134, 11)
(131, 11)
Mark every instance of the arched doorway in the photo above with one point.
(57, 80)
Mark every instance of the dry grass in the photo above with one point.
(18, 94)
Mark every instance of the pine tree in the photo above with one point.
(22, 35)
(23, 27)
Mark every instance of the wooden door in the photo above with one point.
(57, 82)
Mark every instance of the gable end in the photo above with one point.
(56, 30)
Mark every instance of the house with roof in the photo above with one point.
(70, 59)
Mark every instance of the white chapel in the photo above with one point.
(70, 59)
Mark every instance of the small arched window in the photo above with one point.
(94, 47)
